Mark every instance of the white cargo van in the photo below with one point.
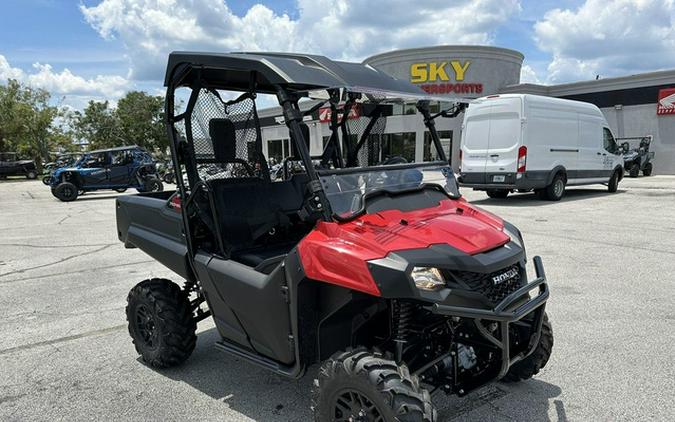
(528, 142)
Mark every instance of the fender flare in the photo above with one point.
(554, 172)
(74, 178)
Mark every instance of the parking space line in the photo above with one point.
(63, 339)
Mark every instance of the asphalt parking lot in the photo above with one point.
(65, 353)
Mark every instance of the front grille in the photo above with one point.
(485, 285)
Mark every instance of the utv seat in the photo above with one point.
(249, 208)
(263, 259)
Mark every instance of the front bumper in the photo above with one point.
(510, 309)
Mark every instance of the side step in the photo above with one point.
(237, 351)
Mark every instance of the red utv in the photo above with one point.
(361, 261)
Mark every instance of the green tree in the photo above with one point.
(137, 120)
(27, 122)
(141, 120)
(98, 124)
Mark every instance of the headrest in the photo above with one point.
(224, 139)
(305, 134)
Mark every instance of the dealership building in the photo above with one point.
(635, 106)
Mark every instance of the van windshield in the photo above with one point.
(346, 189)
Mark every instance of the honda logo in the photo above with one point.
(507, 275)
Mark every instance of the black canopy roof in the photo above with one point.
(232, 71)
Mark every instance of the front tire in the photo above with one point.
(65, 191)
(613, 184)
(32, 174)
(360, 385)
(152, 184)
(531, 365)
(647, 171)
(160, 322)
(497, 193)
(47, 180)
(120, 190)
(634, 170)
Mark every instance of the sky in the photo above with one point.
(83, 50)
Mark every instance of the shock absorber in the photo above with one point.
(402, 313)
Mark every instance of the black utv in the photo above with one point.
(358, 260)
(11, 166)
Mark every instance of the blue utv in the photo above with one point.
(115, 168)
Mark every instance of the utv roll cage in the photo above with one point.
(342, 86)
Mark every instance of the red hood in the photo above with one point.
(454, 223)
(337, 252)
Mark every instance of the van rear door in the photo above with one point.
(504, 137)
(475, 138)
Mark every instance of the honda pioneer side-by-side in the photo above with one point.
(117, 168)
(636, 155)
(371, 266)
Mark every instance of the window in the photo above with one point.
(122, 158)
(410, 108)
(608, 141)
(399, 144)
(430, 153)
(275, 151)
(96, 160)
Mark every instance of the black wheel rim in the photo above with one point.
(353, 406)
(145, 326)
(67, 192)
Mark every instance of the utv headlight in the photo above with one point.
(427, 278)
(513, 233)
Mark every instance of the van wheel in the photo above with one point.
(634, 170)
(556, 190)
(613, 184)
(647, 171)
(497, 193)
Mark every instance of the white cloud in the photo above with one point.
(341, 29)
(65, 82)
(608, 38)
(528, 75)
(7, 71)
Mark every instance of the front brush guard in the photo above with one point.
(506, 312)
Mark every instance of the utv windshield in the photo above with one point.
(364, 157)
(348, 190)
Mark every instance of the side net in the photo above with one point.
(370, 153)
(224, 138)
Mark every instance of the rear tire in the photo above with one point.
(647, 171)
(120, 190)
(613, 184)
(65, 191)
(46, 180)
(364, 386)
(32, 174)
(152, 184)
(634, 170)
(160, 322)
(556, 190)
(531, 365)
(497, 193)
